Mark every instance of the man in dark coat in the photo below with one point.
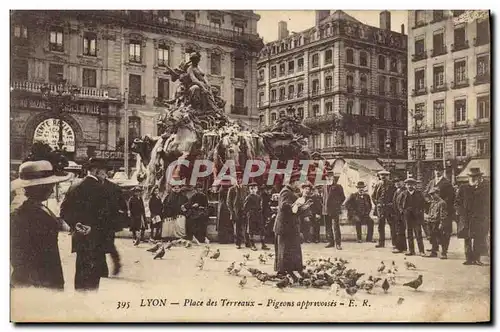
(84, 210)
(305, 217)
(137, 214)
(197, 215)
(224, 225)
(358, 207)
(447, 193)
(473, 207)
(266, 203)
(254, 223)
(382, 196)
(400, 225)
(438, 216)
(156, 209)
(413, 206)
(174, 203)
(316, 210)
(333, 197)
(34, 249)
(235, 199)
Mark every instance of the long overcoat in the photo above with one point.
(473, 207)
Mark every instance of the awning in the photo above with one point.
(482, 164)
(368, 164)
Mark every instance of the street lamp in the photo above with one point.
(418, 150)
(390, 165)
(59, 96)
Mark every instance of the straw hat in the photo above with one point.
(36, 173)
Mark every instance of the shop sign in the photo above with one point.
(48, 132)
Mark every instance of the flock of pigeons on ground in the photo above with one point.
(329, 273)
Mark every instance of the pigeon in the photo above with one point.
(230, 268)
(152, 241)
(200, 263)
(385, 286)
(155, 248)
(394, 267)
(391, 277)
(368, 286)
(351, 290)
(381, 267)
(137, 241)
(415, 283)
(216, 254)
(262, 259)
(409, 265)
(246, 256)
(168, 245)
(253, 271)
(236, 271)
(160, 253)
(400, 300)
(270, 255)
(263, 277)
(206, 251)
(188, 244)
(283, 283)
(243, 281)
(319, 283)
(376, 280)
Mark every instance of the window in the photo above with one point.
(483, 65)
(89, 44)
(134, 54)
(381, 112)
(363, 59)
(328, 57)
(239, 67)
(239, 27)
(56, 40)
(381, 62)
(300, 89)
(349, 107)
(483, 107)
(419, 79)
(362, 108)
(394, 112)
(437, 15)
(300, 113)
(261, 119)
(215, 64)
(215, 22)
(163, 55)
(393, 85)
(381, 85)
(349, 55)
(190, 18)
(261, 75)
(459, 36)
(315, 60)
(328, 84)
(419, 47)
(261, 98)
(273, 117)
(282, 69)
(300, 64)
(56, 72)
(394, 65)
(315, 110)
(460, 71)
(438, 76)
(273, 95)
(438, 113)
(134, 127)
(419, 17)
(163, 16)
(315, 87)
(273, 72)
(291, 91)
(438, 150)
(239, 97)
(19, 69)
(381, 140)
(291, 66)
(438, 43)
(483, 147)
(315, 142)
(329, 107)
(89, 78)
(461, 148)
(483, 32)
(363, 82)
(20, 31)
(349, 140)
(350, 81)
(282, 94)
(134, 86)
(163, 88)
(328, 140)
(460, 110)
(420, 108)
(362, 141)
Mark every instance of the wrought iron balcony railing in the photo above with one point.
(460, 46)
(34, 87)
(460, 84)
(137, 100)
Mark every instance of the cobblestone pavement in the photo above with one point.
(450, 292)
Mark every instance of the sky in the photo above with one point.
(299, 20)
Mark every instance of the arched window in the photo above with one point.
(349, 55)
(363, 59)
(350, 106)
(381, 62)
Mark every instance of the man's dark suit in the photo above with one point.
(333, 197)
(412, 207)
(447, 194)
(86, 203)
(235, 199)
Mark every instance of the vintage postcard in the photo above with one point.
(250, 166)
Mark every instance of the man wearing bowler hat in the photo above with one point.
(333, 197)
(412, 207)
(382, 197)
(473, 207)
(358, 207)
(84, 209)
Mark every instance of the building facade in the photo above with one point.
(449, 84)
(113, 55)
(339, 67)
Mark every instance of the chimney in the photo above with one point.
(402, 29)
(321, 15)
(282, 30)
(385, 20)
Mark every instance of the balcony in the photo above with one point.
(438, 18)
(239, 110)
(460, 84)
(460, 124)
(419, 92)
(439, 88)
(481, 41)
(439, 51)
(482, 79)
(419, 56)
(316, 120)
(460, 46)
(352, 150)
(34, 87)
(419, 24)
(350, 89)
(56, 47)
(137, 100)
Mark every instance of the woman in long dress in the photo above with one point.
(224, 225)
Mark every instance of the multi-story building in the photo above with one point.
(449, 84)
(340, 67)
(113, 54)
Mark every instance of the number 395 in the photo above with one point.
(123, 305)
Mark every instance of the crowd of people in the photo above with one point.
(95, 209)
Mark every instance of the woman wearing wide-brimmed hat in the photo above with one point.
(35, 258)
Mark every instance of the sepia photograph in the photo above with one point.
(206, 166)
